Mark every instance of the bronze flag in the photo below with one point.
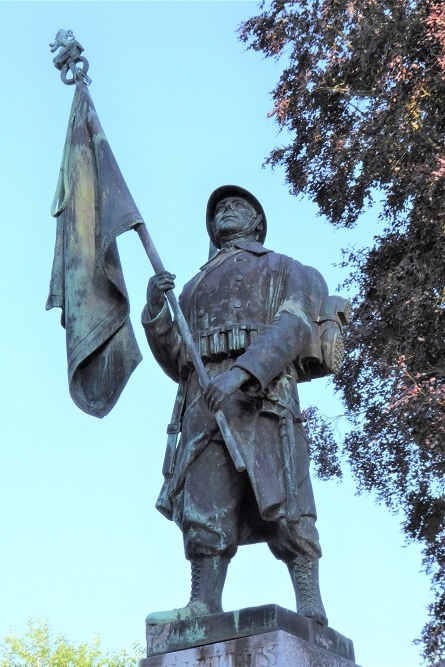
(93, 206)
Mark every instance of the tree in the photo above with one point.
(39, 648)
(362, 98)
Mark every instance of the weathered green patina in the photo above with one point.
(93, 206)
(248, 327)
(243, 623)
(261, 323)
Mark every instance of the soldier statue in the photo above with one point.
(262, 322)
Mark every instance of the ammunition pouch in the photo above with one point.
(321, 356)
(222, 342)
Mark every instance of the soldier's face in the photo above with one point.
(233, 215)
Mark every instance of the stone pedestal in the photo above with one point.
(265, 636)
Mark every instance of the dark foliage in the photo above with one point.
(320, 430)
(362, 95)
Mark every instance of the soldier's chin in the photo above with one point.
(228, 226)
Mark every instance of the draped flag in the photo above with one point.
(93, 206)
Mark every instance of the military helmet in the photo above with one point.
(232, 191)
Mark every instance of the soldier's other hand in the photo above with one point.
(224, 385)
(158, 285)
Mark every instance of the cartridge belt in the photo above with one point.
(224, 341)
(229, 340)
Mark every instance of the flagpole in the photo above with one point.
(157, 265)
(67, 61)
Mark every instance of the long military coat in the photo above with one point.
(252, 308)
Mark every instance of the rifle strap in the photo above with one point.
(173, 430)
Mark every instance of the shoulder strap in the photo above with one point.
(277, 274)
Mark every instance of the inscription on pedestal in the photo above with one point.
(263, 656)
(273, 649)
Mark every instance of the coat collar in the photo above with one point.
(254, 247)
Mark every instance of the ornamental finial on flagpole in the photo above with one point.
(68, 57)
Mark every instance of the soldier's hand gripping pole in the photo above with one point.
(157, 265)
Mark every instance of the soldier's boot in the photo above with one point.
(208, 577)
(303, 571)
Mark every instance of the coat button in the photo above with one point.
(201, 313)
(239, 278)
(236, 303)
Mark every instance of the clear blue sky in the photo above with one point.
(185, 110)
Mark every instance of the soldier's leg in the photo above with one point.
(296, 542)
(212, 496)
(211, 499)
(297, 545)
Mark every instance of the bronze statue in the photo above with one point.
(249, 327)
(261, 322)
